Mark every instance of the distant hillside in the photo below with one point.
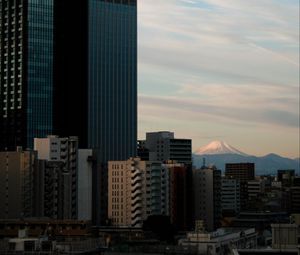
(268, 164)
(219, 153)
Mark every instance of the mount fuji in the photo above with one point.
(219, 153)
(218, 147)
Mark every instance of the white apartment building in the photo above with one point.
(136, 189)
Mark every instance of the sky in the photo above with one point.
(221, 70)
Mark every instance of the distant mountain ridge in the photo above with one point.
(219, 153)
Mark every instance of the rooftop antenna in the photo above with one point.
(203, 163)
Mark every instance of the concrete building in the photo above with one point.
(85, 174)
(285, 236)
(221, 241)
(64, 150)
(255, 188)
(164, 146)
(240, 171)
(286, 177)
(207, 200)
(136, 190)
(295, 199)
(181, 196)
(243, 172)
(230, 197)
(18, 187)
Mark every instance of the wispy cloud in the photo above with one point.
(235, 62)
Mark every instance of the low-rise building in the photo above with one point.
(221, 241)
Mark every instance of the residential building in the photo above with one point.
(243, 172)
(181, 196)
(207, 200)
(230, 197)
(136, 190)
(64, 150)
(255, 188)
(18, 187)
(26, 67)
(286, 177)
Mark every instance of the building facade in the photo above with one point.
(230, 197)
(207, 190)
(243, 172)
(112, 78)
(164, 146)
(64, 150)
(181, 196)
(85, 178)
(136, 190)
(18, 187)
(26, 66)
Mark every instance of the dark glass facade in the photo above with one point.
(112, 78)
(26, 67)
(39, 69)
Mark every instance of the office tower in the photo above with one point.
(230, 197)
(136, 190)
(112, 78)
(164, 146)
(18, 187)
(181, 199)
(207, 190)
(26, 65)
(243, 172)
(240, 171)
(65, 150)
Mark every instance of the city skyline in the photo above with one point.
(215, 70)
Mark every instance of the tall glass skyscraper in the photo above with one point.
(112, 78)
(26, 71)
(69, 70)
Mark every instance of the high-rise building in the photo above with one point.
(136, 190)
(230, 197)
(39, 70)
(240, 171)
(112, 78)
(181, 198)
(243, 172)
(164, 146)
(207, 190)
(26, 67)
(65, 150)
(286, 177)
(18, 187)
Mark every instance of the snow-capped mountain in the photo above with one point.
(218, 147)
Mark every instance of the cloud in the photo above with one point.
(232, 62)
(187, 109)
